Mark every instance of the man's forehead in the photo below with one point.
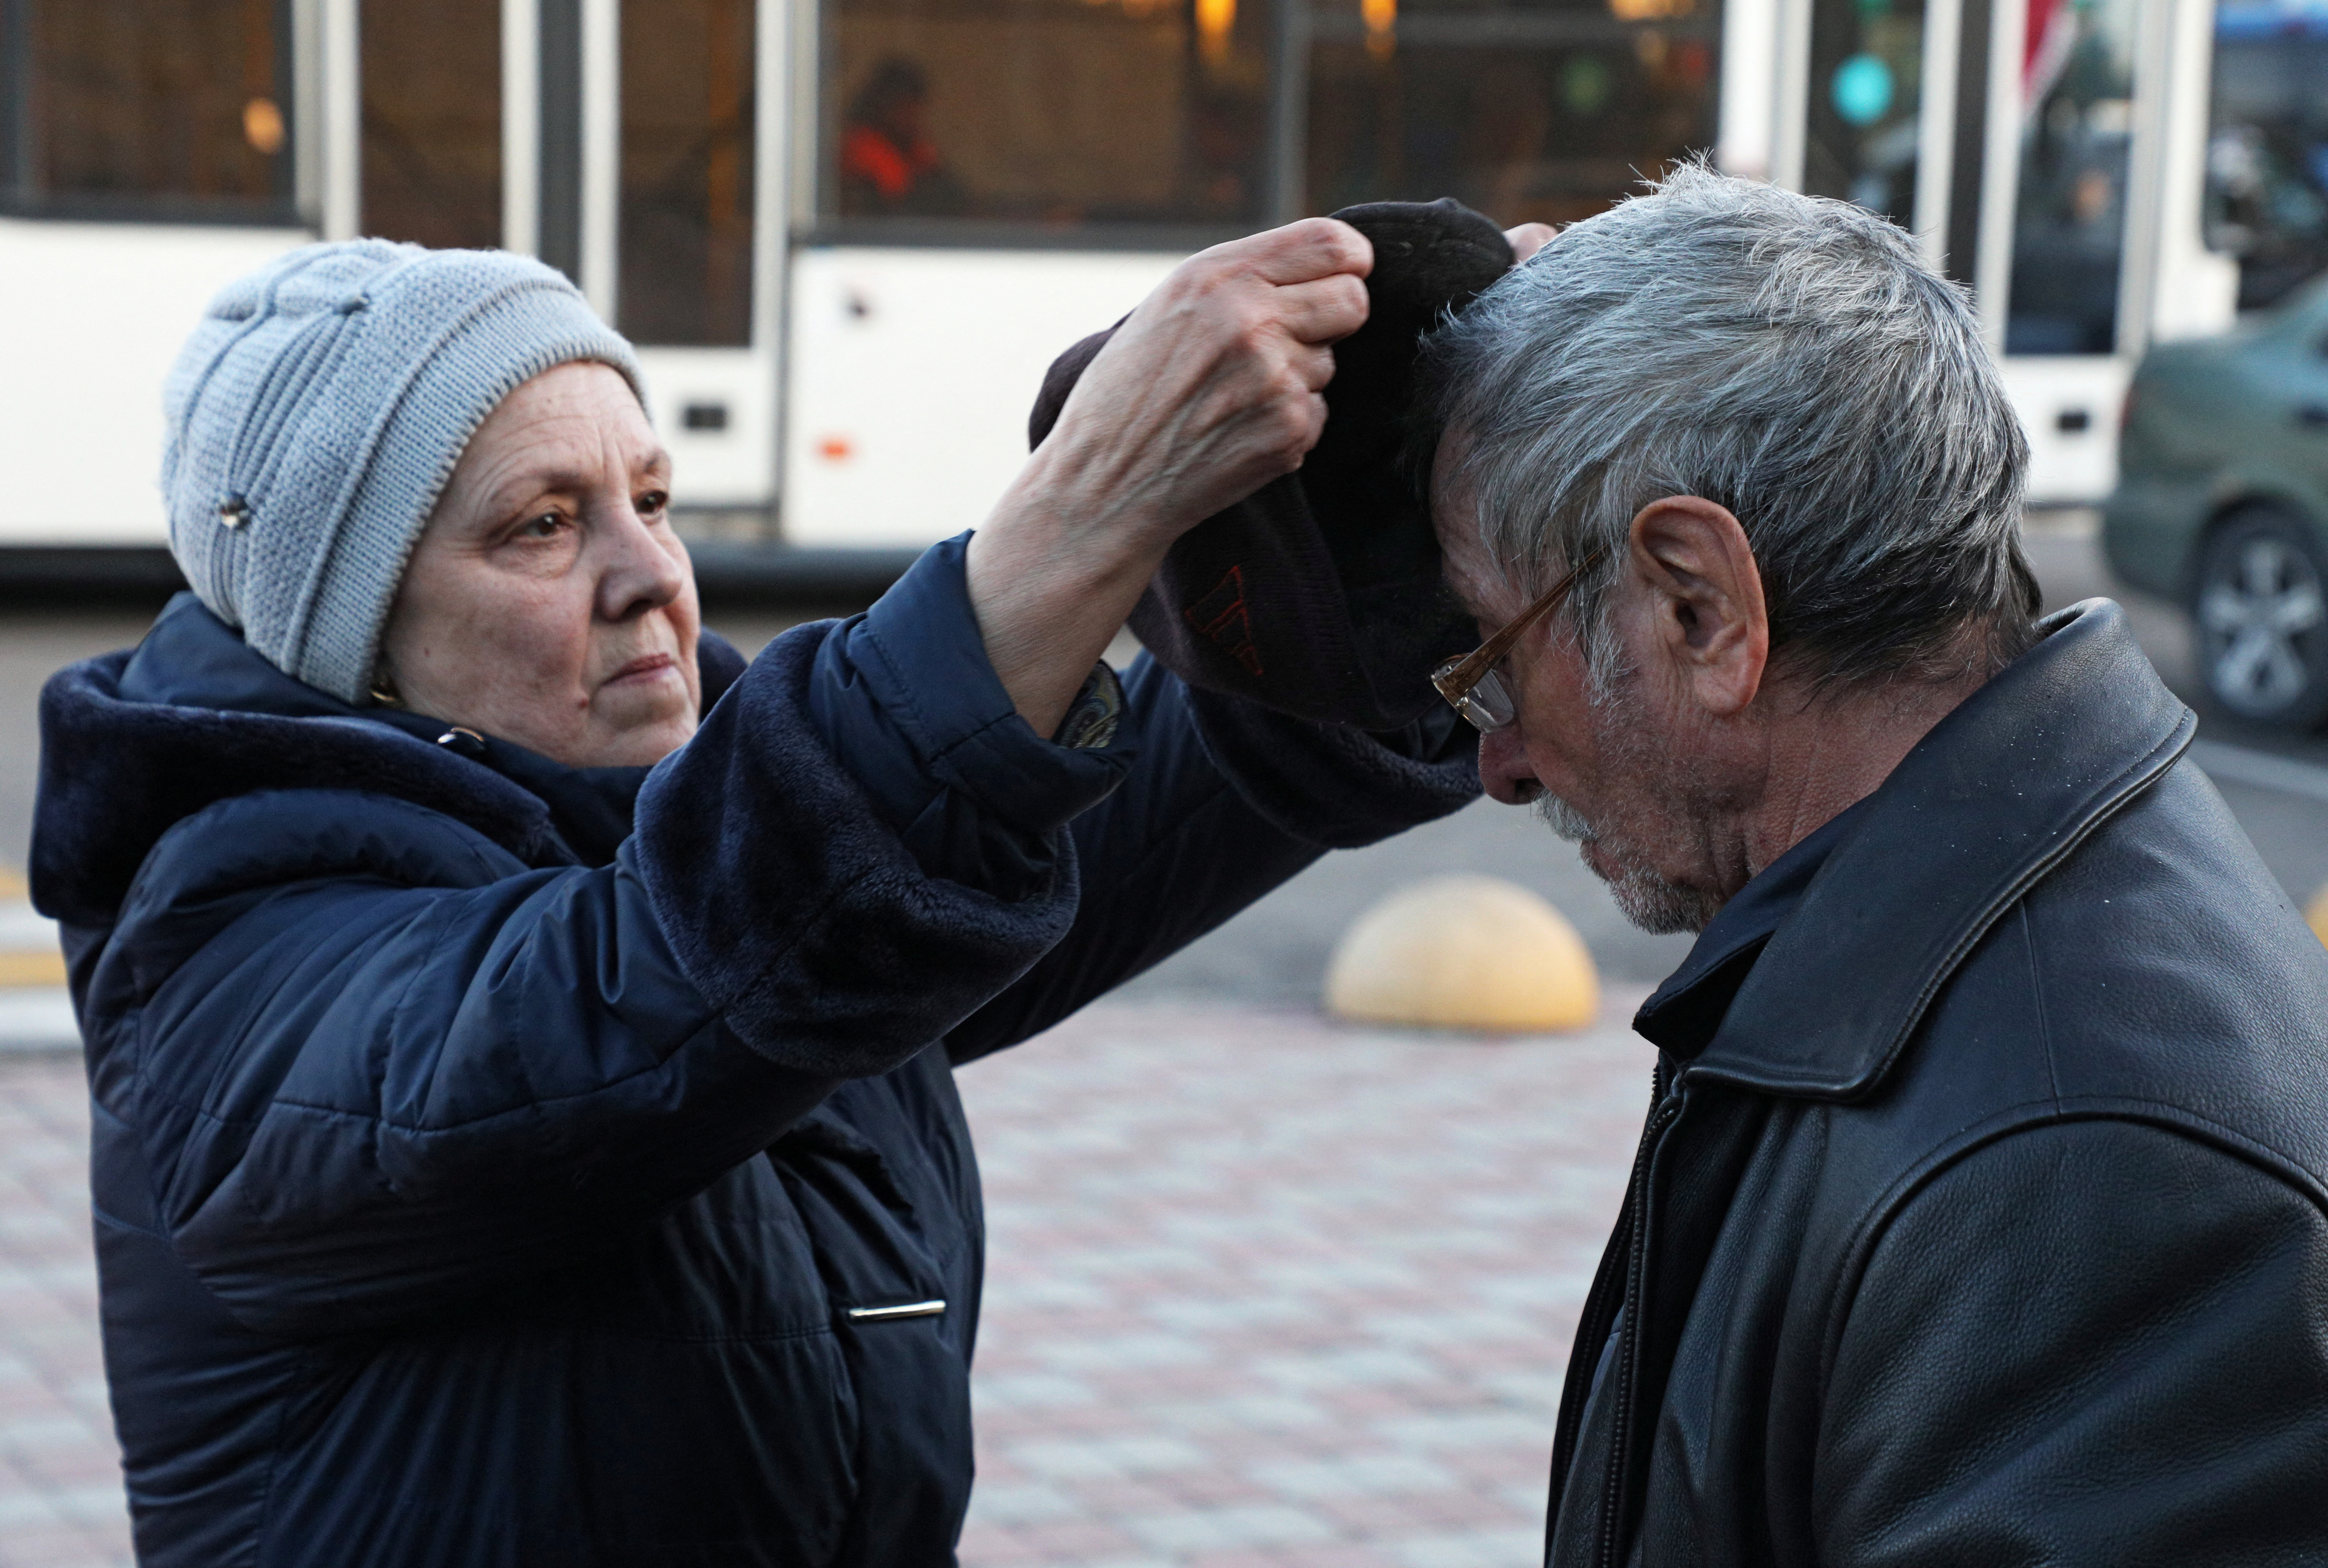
(1451, 488)
(1470, 568)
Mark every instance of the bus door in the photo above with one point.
(636, 145)
(2048, 155)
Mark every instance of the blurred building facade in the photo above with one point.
(848, 234)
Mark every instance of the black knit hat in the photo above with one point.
(1320, 594)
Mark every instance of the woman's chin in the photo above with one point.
(637, 728)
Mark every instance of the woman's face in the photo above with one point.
(549, 602)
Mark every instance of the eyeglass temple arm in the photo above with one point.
(1466, 675)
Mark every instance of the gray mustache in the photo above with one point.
(1564, 819)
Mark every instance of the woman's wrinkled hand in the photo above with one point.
(1212, 388)
(1206, 394)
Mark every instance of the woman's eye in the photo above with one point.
(541, 527)
(651, 502)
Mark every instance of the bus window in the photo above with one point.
(1866, 88)
(1064, 115)
(432, 122)
(2068, 228)
(2267, 161)
(131, 108)
(1548, 113)
(686, 273)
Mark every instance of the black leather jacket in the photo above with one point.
(1990, 1225)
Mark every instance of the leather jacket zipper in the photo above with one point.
(1626, 1371)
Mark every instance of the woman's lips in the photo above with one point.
(646, 667)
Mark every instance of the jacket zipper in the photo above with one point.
(1636, 1220)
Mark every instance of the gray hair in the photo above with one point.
(1786, 357)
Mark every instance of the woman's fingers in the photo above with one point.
(1314, 364)
(1299, 253)
(1322, 311)
(1313, 410)
(1527, 240)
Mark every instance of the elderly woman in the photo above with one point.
(519, 1031)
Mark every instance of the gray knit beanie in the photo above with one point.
(316, 415)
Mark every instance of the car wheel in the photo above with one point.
(2261, 613)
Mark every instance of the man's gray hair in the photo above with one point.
(1785, 356)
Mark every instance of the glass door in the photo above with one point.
(687, 163)
(694, 265)
(1862, 141)
(2070, 207)
(431, 119)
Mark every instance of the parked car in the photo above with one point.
(2222, 503)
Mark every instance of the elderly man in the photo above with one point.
(1979, 1217)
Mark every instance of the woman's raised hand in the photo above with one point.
(1210, 389)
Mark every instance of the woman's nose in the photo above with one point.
(644, 566)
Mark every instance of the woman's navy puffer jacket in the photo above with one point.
(488, 1156)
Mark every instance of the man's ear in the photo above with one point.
(1704, 599)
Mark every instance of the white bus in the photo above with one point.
(848, 234)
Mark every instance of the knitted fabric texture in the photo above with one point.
(316, 415)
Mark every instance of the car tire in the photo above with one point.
(2259, 615)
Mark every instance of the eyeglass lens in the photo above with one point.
(1488, 704)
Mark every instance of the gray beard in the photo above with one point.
(1647, 899)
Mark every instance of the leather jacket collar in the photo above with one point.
(1682, 1015)
(1996, 796)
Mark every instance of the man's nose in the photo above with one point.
(642, 568)
(1504, 767)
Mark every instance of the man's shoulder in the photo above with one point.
(2158, 973)
(2173, 966)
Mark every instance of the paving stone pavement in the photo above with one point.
(60, 1502)
(1263, 1292)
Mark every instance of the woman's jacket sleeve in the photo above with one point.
(1199, 805)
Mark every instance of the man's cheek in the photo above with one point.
(1561, 759)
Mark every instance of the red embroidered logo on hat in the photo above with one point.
(1222, 617)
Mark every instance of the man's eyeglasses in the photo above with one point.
(1472, 684)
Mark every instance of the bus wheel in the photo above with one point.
(2260, 609)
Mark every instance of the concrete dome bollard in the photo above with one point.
(2315, 915)
(1464, 953)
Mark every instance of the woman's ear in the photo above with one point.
(1704, 600)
